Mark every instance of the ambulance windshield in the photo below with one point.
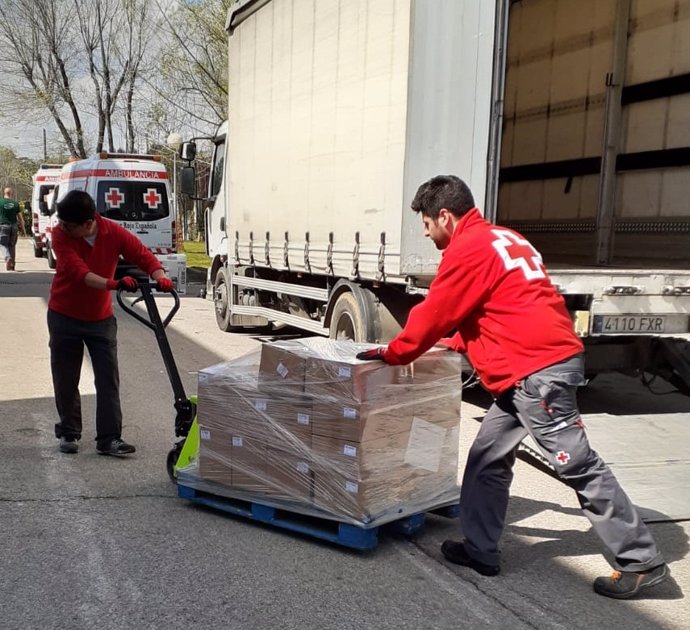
(132, 200)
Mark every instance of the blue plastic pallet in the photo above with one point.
(343, 534)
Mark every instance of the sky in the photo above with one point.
(27, 140)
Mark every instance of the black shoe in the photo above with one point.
(116, 447)
(625, 584)
(68, 445)
(455, 552)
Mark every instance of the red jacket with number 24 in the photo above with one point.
(493, 292)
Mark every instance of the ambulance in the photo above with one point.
(133, 190)
(44, 182)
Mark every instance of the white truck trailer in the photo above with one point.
(569, 121)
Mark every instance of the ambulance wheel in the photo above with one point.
(38, 252)
(221, 300)
(170, 462)
(52, 262)
(348, 320)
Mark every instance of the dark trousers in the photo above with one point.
(8, 241)
(544, 406)
(67, 339)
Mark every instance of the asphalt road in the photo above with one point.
(90, 541)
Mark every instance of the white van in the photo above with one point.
(134, 191)
(44, 181)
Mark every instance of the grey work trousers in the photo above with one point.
(68, 337)
(544, 405)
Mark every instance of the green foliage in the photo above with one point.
(196, 254)
(17, 173)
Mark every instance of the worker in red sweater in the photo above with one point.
(80, 313)
(493, 295)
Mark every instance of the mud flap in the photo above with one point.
(671, 360)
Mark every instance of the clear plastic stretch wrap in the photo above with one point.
(305, 426)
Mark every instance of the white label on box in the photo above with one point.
(260, 405)
(205, 434)
(237, 441)
(282, 370)
(345, 371)
(350, 451)
(424, 445)
(349, 412)
(351, 486)
(303, 467)
(303, 418)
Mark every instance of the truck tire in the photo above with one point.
(52, 262)
(38, 251)
(348, 320)
(221, 301)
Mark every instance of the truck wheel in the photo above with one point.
(221, 300)
(348, 320)
(38, 252)
(52, 262)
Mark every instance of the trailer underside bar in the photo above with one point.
(312, 293)
(284, 318)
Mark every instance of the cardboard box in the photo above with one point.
(352, 380)
(438, 366)
(288, 476)
(406, 469)
(361, 422)
(249, 465)
(282, 368)
(232, 460)
(239, 406)
(215, 455)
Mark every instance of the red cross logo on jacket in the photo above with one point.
(517, 252)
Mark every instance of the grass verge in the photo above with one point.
(196, 255)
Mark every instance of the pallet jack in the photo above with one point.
(186, 447)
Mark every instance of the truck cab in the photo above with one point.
(132, 190)
(44, 181)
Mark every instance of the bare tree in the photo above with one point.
(36, 40)
(55, 48)
(194, 63)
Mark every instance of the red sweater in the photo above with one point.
(492, 290)
(69, 295)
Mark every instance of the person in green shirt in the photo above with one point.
(11, 219)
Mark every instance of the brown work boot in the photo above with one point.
(9, 265)
(626, 584)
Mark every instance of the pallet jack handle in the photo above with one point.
(186, 410)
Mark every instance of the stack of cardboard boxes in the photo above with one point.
(308, 424)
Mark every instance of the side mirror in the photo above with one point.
(188, 151)
(188, 181)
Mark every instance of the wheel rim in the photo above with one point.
(345, 327)
(221, 299)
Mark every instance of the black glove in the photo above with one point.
(375, 354)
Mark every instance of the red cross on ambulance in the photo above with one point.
(152, 198)
(114, 197)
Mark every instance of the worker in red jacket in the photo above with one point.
(80, 313)
(493, 295)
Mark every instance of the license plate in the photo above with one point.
(627, 324)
